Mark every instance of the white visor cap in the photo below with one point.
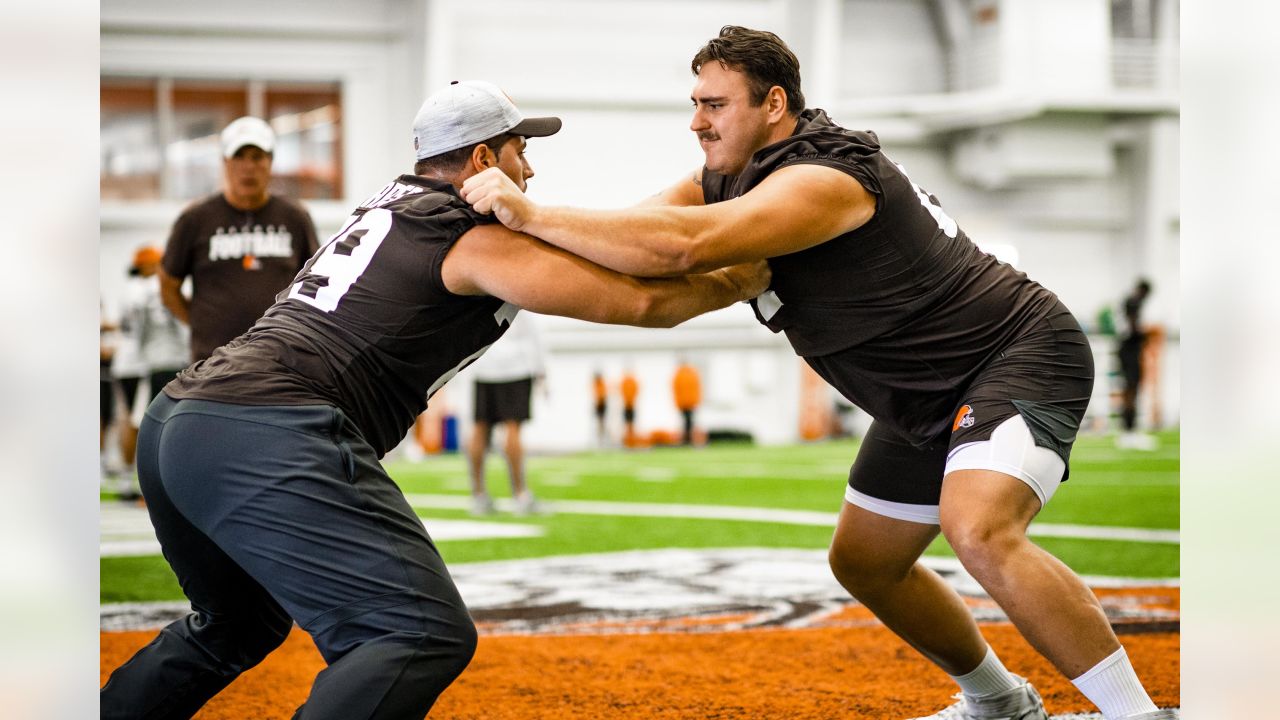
(469, 112)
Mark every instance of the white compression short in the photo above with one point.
(1010, 450)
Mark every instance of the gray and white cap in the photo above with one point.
(468, 112)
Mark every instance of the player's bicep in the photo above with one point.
(793, 209)
(686, 192)
(522, 270)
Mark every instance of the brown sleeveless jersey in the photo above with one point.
(900, 314)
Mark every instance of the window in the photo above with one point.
(308, 157)
(159, 136)
(1144, 46)
(130, 141)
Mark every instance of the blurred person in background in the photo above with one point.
(629, 388)
(1133, 340)
(109, 474)
(239, 246)
(261, 464)
(163, 340)
(155, 345)
(504, 380)
(687, 389)
(977, 377)
(600, 406)
(128, 369)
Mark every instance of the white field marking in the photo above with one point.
(125, 531)
(962, 580)
(786, 517)
(822, 472)
(1098, 532)
(1130, 478)
(655, 474)
(776, 587)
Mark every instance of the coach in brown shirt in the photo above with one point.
(240, 246)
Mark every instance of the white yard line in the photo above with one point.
(786, 517)
(125, 531)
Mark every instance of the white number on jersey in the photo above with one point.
(505, 314)
(341, 262)
(945, 223)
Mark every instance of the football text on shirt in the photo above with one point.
(234, 242)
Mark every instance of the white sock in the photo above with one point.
(1114, 687)
(989, 678)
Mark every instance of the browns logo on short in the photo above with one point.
(964, 418)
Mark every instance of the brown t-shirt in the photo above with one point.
(900, 314)
(238, 260)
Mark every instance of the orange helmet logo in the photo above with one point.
(964, 418)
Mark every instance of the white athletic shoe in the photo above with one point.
(527, 504)
(1020, 703)
(1156, 715)
(1137, 441)
(482, 505)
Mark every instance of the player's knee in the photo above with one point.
(981, 542)
(465, 639)
(266, 634)
(863, 574)
(451, 651)
(240, 642)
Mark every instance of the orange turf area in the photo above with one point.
(849, 673)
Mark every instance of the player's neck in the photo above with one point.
(455, 179)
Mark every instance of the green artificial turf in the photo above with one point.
(1108, 487)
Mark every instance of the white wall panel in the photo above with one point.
(617, 72)
(890, 47)
(610, 53)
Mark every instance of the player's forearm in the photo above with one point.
(172, 298)
(671, 301)
(646, 241)
(177, 304)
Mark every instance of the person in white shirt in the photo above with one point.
(504, 379)
(153, 346)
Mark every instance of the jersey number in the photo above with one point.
(342, 261)
(945, 223)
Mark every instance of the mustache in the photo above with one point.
(708, 135)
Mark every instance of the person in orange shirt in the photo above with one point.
(600, 393)
(630, 391)
(688, 393)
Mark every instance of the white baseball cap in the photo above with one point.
(247, 130)
(469, 112)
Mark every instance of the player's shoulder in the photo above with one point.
(416, 199)
(817, 136)
(421, 209)
(205, 205)
(291, 206)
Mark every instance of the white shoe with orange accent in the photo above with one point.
(1020, 703)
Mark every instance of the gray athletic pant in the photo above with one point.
(274, 514)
